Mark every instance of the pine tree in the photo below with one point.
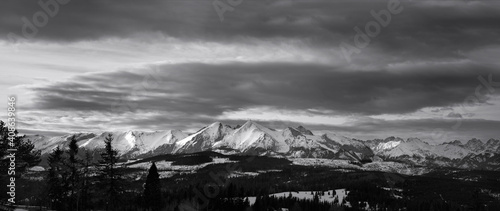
(152, 189)
(296, 207)
(316, 198)
(257, 206)
(74, 178)
(25, 155)
(246, 202)
(231, 191)
(109, 177)
(56, 179)
(85, 195)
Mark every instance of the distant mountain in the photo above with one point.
(473, 155)
(254, 139)
(129, 144)
(304, 131)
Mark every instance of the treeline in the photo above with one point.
(23, 158)
(74, 179)
(71, 179)
(265, 203)
(81, 184)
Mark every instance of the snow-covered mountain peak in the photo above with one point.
(474, 145)
(290, 132)
(342, 140)
(395, 139)
(410, 147)
(203, 139)
(493, 145)
(130, 137)
(387, 145)
(304, 131)
(253, 137)
(474, 141)
(176, 133)
(215, 124)
(456, 143)
(417, 141)
(252, 125)
(247, 125)
(214, 128)
(493, 142)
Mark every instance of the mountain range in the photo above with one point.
(252, 138)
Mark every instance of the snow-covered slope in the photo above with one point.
(387, 145)
(252, 136)
(492, 146)
(452, 150)
(411, 147)
(47, 144)
(130, 143)
(415, 147)
(255, 139)
(202, 140)
(475, 145)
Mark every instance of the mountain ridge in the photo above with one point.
(252, 138)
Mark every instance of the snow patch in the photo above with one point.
(326, 196)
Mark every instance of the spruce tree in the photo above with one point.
(109, 177)
(296, 207)
(247, 202)
(86, 182)
(56, 179)
(152, 189)
(26, 156)
(74, 174)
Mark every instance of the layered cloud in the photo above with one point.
(210, 89)
(306, 93)
(175, 64)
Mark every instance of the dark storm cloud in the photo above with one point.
(203, 89)
(424, 29)
(94, 19)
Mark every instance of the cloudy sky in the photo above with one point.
(430, 70)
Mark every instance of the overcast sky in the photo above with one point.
(99, 65)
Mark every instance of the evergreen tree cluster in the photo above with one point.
(25, 156)
(69, 178)
(264, 203)
(82, 184)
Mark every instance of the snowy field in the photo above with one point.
(397, 193)
(328, 196)
(166, 169)
(167, 165)
(323, 162)
(344, 165)
(252, 174)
